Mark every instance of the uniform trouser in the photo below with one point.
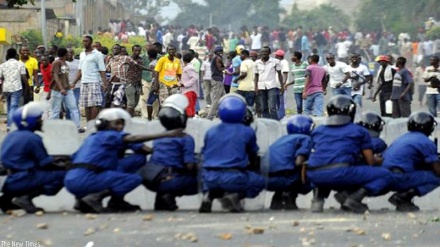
(423, 181)
(288, 183)
(217, 91)
(247, 182)
(178, 184)
(46, 182)
(82, 182)
(374, 179)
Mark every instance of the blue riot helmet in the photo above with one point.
(28, 117)
(421, 122)
(372, 122)
(232, 108)
(300, 124)
(172, 115)
(341, 110)
(111, 114)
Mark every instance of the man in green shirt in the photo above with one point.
(298, 70)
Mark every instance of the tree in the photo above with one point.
(318, 18)
(395, 15)
(12, 3)
(229, 13)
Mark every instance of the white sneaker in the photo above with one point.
(208, 106)
(196, 116)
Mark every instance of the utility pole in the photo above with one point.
(80, 17)
(44, 22)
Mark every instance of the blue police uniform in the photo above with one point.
(342, 145)
(24, 154)
(175, 153)
(102, 150)
(410, 157)
(225, 158)
(379, 145)
(283, 173)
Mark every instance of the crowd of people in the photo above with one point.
(168, 81)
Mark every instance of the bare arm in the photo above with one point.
(369, 157)
(145, 138)
(436, 168)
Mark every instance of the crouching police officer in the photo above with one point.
(171, 170)
(287, 156)
(414, 162)
(31, 171)
(335, 164)
(100, 169)
(229, 153)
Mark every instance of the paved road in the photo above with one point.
(382, 227)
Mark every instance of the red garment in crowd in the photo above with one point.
(46, 73)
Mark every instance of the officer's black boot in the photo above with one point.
(94, 201)
(289, 199)
(25, 202)
(165, 202)
(6, 203)
(354, 203)
(277, 201)
(318, 201)
(206, 205)
(117, 204)
(82, 207)
(403, 201)
(341, 196)
(232, 202)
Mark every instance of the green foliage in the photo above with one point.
(396, 15)
(32, 38)
(12, 3)
(319, 18)
(433, 33)
(229, 13)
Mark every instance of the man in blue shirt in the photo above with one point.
(230, 151)
(287, 156)
(335, 165)
(175, 155)
(414, 162)
(100, 169)
(32, 172)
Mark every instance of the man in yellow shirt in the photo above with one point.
(168, 71)
(31, 65)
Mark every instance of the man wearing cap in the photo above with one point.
(217, 89)
(384, 78)
(279, 54)
(236, 63)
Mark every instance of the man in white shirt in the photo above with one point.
(432, 95)
(359, 75)
(14, 77)
(337, 76)
(267, 89)
(256, 41)
(279, 54)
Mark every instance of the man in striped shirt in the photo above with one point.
(298, 70)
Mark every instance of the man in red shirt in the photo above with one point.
(45, 70)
